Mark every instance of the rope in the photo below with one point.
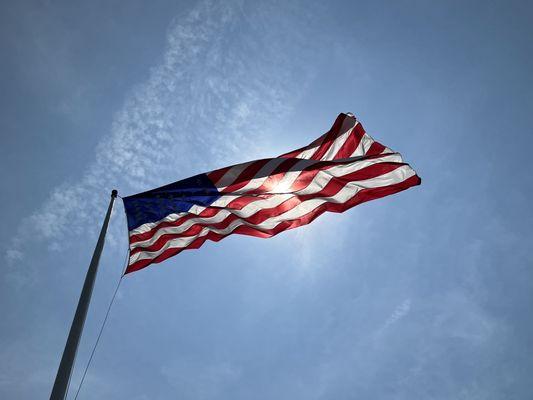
(101, 329)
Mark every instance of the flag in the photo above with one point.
(342, 168)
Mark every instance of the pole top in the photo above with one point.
(114, 193)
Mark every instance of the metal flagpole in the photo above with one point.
(59, 391)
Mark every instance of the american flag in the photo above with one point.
(342, 168)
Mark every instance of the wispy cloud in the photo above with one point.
(399, 312)
(220, 82)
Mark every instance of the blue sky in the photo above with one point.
(421, 295)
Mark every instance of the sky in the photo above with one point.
(422, 295)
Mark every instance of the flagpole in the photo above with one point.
(59, 391)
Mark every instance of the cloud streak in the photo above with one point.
(220, 82)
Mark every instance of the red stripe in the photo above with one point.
(318, 142)
(330, 137)
(375, 148)
(351, 144)
(273, 177)
(361, 197)
(214, 176)
(295, 153)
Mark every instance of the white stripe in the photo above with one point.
(349, 191)
(339, 142)
(290, 176)
(363, 146)
(335, 146)
(307, 154)
(195, 209)
(262, 175)
(150, 225)
(351, 121)
(231, 174)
